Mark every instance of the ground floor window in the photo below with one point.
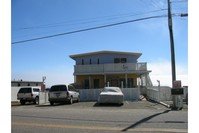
(119, 82)
(96, 83)
(86, 84)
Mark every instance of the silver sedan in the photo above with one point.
(111, 95)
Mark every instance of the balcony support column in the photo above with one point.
(126, 80)
(89, 82)
(104, 80)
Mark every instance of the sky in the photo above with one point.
(31, 60)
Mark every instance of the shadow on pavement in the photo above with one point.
(144, 120)
(107, 105)
(55, 104)
(19, 104)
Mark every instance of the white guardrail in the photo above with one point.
(162, 93)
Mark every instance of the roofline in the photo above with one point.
(105, 51)
(26, 82)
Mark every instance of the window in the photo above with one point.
(120, 60)
(25, 90)
(90, 61)
(123, 60)
(82, 61)
(96, 83)
(98, 61)
(86, 84)
(130, 82)
(117, 60)
(58, 88)
(35, 90)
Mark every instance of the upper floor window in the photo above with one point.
(120, 60)
(123, 60)
(117, 60)
(82, 61)
(98, 61)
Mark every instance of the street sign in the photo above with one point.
(177, 91)
(177, 84)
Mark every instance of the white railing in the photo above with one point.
(110, 68)
(130, 94)
(86, 95)
(159, 94)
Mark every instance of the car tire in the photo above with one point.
(71, 100)
(51, 103)
(37, 100)
(22, 102)
(77, 99)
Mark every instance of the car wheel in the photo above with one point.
(37, 100)
(77, 99)
(71, 100)
(22, 102)
(51, 103)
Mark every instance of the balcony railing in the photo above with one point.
(110, 68)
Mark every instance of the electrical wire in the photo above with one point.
(88, 20)
(88, 29)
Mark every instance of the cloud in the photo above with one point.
(161, 70)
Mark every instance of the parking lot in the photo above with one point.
(127, 105)
(137, 116)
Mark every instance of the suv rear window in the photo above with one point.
(58, 88)
(25, 90)
(35, 89)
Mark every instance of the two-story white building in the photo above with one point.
(113, 68)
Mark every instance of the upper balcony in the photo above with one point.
(110, 68)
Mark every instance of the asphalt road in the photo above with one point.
(142, 116)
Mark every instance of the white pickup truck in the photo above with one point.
(28, 94)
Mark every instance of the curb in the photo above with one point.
(164, 104)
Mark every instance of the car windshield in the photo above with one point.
(58, 88)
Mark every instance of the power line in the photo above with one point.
(87, 29)
(88, 20)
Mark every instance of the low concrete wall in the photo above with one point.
(14, 91)
(43, 98)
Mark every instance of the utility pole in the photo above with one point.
(171, 44)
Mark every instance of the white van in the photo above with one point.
(28, 94)
(63, 93)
